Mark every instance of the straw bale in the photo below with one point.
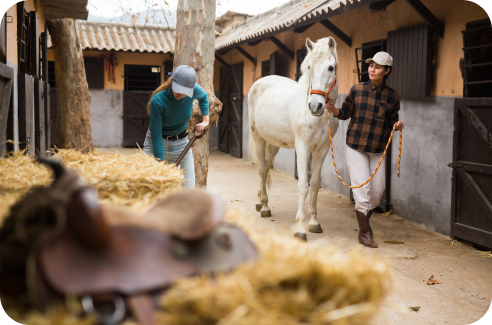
(293, 283)
(135, 181)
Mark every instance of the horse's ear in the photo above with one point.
(309, 45)
(332, 44)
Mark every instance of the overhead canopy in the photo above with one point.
(54, 9)
(103, 36)
(291, 15)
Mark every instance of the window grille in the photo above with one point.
(300, 56)
(23, 37)
(363, 53)
(51, 74)
(142, 77)
(33, 47)
(94, 72)
(43, 57)
(3, 39)
(477, 59)
(265, 68)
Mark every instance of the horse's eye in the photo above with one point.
(330, 68)
(309, 67)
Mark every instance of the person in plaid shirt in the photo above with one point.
(373, 109)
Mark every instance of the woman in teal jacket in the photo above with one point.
(170, 109)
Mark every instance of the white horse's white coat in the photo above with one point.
(280, 115)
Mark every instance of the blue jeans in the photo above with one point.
(172, 150)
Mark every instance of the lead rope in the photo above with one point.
(331, 141)
(380, 161)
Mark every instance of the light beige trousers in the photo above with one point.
(361, 165)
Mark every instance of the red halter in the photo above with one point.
(320, 92)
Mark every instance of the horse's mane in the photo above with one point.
(320, 49)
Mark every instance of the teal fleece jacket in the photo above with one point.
(169, 116)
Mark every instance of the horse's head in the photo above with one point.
(320, 65)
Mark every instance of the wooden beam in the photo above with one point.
(428, 16)
(302, 29)
(222, 52)
(54, 9)
(282, 47)
(246, 54)
(335, 30)
(221, 60)
(256, 42)
(380, 5)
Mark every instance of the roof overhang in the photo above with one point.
(54, 9)
(247, 32)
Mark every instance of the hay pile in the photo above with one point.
(135, 180)
(292, 284)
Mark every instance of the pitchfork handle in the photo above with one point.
(188, 146)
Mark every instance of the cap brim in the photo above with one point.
(371, 60)
(182, 90)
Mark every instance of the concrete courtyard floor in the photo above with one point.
(466, 290)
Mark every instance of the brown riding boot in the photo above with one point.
(365, 232)
(369, 218)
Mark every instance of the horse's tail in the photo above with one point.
(252, 149)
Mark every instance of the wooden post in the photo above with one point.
(195, 46)
(73, 125)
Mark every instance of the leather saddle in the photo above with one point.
(117, 262)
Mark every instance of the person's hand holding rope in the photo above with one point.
(330, 105)
(399, 125)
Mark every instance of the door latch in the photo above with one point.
(451, 165)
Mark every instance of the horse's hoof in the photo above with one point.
(258, 207)
(266, 214)
(301, 236)
(315, 228)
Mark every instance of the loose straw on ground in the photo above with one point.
(134, 180)
(291, 284)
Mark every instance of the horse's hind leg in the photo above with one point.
(318, 158)
(258, 202)
(263, 172)
(272, 152)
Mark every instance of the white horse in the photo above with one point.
(284, 113)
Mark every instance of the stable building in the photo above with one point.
(124, 64)
(24, 88)
(443, 66)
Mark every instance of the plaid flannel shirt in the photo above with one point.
(373, 112)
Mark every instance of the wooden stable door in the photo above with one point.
(135, 119)
(231, 117)
(225, 92)
(39, 117)
(471, 208)
(6, 77)
(26, 113)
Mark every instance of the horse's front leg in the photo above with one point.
(319, 155)
(302, 160)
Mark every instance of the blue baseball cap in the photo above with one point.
(184, 79)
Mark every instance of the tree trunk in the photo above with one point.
(195, 46)
(73, 125)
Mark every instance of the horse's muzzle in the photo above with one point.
(317, 109)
